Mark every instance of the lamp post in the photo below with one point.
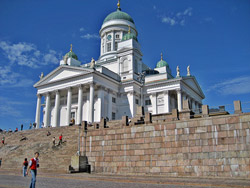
(85, 138)
(78, 152)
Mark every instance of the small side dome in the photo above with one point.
(162, 63)
(129, 35)
(71, 54)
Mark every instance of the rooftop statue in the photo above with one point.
(41, 76)
(178, 71)
(92, 63)
(188, 70)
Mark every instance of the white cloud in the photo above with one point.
(169, 20)
(233, 86)
(22, 54)
(8, 78)
(178, 18)
(90, 36)
(27, 54)
(82, 29)
(9, 108)
(50, 57)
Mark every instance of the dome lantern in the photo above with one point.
(71, 54)
(162, 63)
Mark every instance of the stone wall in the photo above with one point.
(208, 146)
(176, 144)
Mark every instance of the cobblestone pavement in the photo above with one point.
(11, 180)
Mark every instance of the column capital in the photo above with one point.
(39, 95)
(101, 87)
(47, 93)
(56, 91)
(69, 88)
(166, 92)
(153, 94)
(179, 90)
(110, 91)
(131, 93)
(92, 83)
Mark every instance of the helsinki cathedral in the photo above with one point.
(113, 85)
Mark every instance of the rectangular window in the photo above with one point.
(108, 47)
(116, 45)
(113, 100)
(117, 36)
(113, 115)
(148, 102)
(136, 101)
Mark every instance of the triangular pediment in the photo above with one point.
(191, 82)
(62, 73)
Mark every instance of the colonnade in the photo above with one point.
(180, 95)
(47, 114)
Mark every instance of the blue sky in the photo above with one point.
(213, 37)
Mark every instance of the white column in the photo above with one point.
(142, 96)
(131, 100)
(153, 102)
(101, 103)
(193, 105)
(113, 41)
(166, 101)
(56, 110)
(47, 111)
(110, 104)
(69, 100)
(79, 109)
(179, 100)
(105, 43)
(91, 102)
(38, 110)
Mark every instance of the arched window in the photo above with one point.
(125, 65)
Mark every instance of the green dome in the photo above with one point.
(162, 63)
(72, 55)
(129, 36)
(118, 15)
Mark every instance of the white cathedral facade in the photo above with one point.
(113, 85)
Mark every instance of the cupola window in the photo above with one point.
(109, 47)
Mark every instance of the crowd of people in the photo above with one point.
(16, 130)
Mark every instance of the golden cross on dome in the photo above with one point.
(71, 47)
(118, 4)
(161, 56)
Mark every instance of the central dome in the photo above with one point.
(118, 15)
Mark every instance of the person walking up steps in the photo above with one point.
(33, 165)
(25, 166)
(3, 140)
(60, 140)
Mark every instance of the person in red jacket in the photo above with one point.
(60, 139)
(33, 165)
(25, 166)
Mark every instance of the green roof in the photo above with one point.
(118, 15)
(162, 63)
(129, 36)
(72, 55)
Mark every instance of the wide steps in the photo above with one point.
(14, 152)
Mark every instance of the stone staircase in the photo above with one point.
(52, 158)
